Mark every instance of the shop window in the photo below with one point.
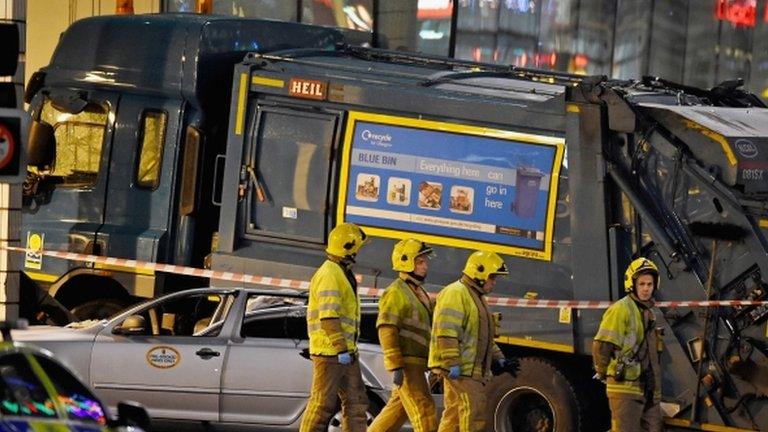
(283, 10)
(152, 136)
(79, 143)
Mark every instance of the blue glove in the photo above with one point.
(345, 358)
(454, 372)
(505, 365)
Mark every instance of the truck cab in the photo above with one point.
(128, 121)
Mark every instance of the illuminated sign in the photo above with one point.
(434, 9)
(737, 12)
(307, 89)
(451, 184)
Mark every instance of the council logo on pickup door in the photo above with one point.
(163, 357)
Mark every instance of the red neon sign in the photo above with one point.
(737, 12)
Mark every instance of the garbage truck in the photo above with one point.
(567, 177)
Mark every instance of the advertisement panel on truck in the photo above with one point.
(453, 184)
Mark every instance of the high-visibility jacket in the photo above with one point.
(458, 315)
(331, 295)
(622, 326)
(400, 307)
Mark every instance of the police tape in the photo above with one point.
(367, 291)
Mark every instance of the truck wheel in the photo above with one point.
(98, 309)
(539, 399)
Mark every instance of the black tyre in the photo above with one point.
(539, 399)
(98, 309)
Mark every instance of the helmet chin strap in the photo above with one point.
(417, 277)
(344, 261)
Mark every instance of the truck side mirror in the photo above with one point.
(36, 82)
(42, 144)
(130, 413)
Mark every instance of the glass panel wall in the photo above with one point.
(566, 35)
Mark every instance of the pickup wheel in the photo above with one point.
(539, 399)
(374, 408)
(98, 309)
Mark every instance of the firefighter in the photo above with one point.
(333, 321)
(626, 353)
(462, 348)
(404, 325)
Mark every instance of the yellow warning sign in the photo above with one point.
(565, 315)
(34, 257)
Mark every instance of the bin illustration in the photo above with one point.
(527, 183)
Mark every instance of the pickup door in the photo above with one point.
(266, 380)
(169, 369)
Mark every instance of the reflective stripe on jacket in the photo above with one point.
(622, 325)
(331, 296)
(457, 316)
(400, 307)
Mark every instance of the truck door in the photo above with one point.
(141, 177)
(66, 207)
(290, 173)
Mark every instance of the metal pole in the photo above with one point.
(454, 26)
(10, 226)
(10, 217)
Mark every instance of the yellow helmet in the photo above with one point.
(405, 252)
(639, 267)
(345, 240)
(482, 264)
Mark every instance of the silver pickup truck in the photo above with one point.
(232, 357)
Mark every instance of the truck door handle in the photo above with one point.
(207, 353)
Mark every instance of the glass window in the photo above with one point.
(566, 35)
(79, 141)
(350, 14)
(22, 392)
(280, 327)
(190, 315)
(283, 10)
(151, 149)
(80, 403)
(286, 318)
(427, 29)
(289, 174)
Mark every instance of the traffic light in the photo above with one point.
(13, 130)
(13, 122)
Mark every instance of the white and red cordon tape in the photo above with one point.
(304, 285)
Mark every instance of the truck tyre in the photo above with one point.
(98, 309)
(539, 399)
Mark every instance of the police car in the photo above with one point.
(38, 393)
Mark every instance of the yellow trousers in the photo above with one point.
(634, 415)
(412, 400)
(332, 381)
(465, 404)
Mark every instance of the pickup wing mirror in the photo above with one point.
(131, 413)
(42, 145)
(133, 325)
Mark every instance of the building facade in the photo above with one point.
(695, 42)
